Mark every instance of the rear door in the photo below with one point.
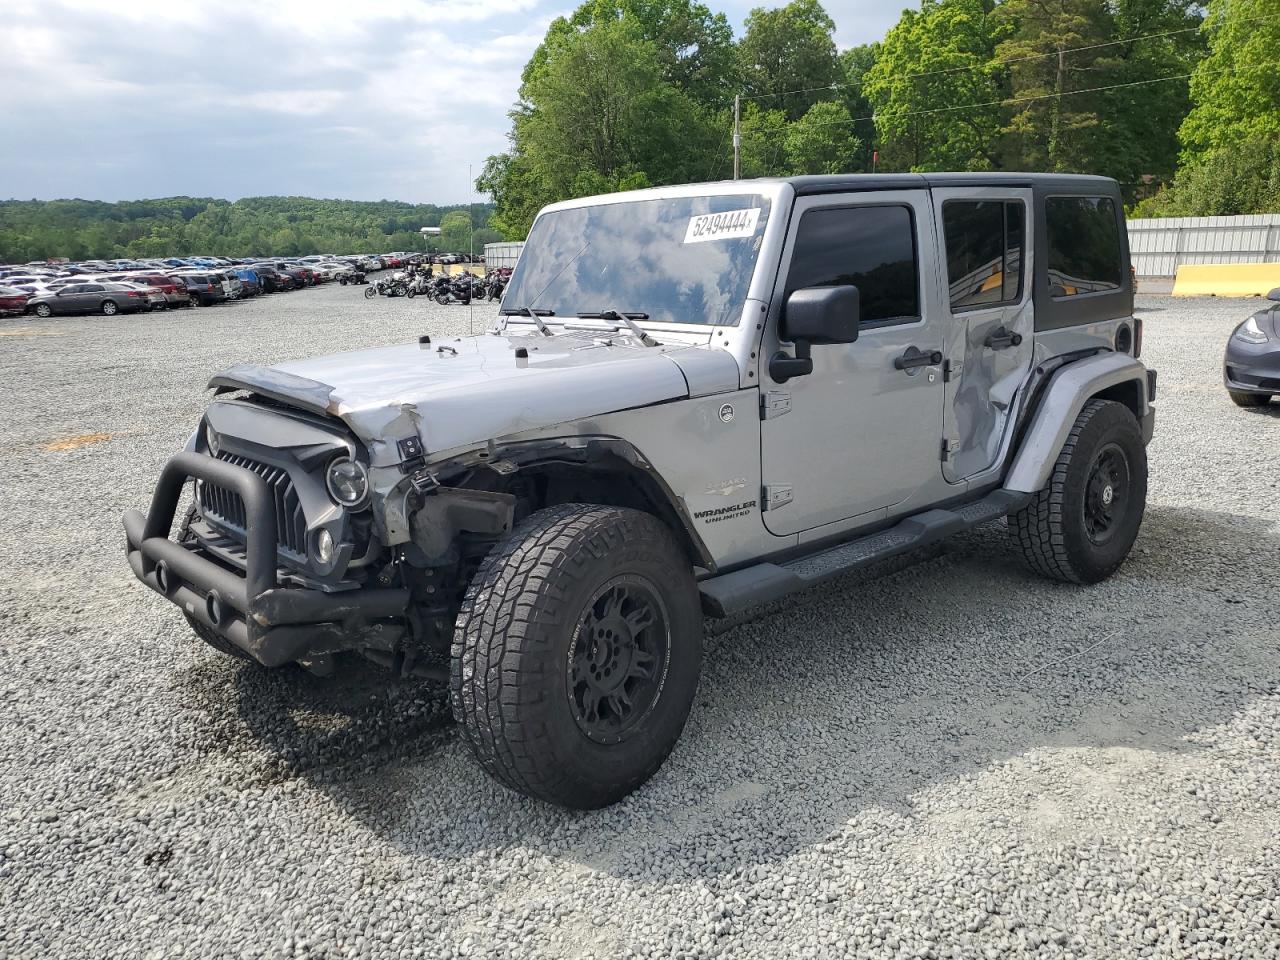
(862, 432)
(984, 233)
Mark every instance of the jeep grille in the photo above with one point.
(227, 508)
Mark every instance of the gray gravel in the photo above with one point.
(953, 760)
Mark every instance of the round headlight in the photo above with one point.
(212, 441)
(348, 482)
(324, 547)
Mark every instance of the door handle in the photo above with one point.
(915, 357)
(1001, 339)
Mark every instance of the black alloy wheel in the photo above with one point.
(618, 659)
(1106, 495)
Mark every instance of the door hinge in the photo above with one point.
(775, 495)
(774, 403)
(950, 370)
(949, 447)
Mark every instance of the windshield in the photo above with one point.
(681, 260)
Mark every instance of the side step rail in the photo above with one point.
(731, 593)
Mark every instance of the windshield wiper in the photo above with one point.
(535, 315)
(627, 319)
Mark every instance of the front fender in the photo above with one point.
(1069, 389)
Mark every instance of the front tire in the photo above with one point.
(109, 308)
(370, 293)
(43, 311)
(1080, 528)
(576, 654)
(1249, 399)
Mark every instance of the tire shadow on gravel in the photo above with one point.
(853, 698)
(287, 723)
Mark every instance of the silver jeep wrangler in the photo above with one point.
(696, 399)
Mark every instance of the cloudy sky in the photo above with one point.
(393, 98)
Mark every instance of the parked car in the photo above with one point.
(105, 298)
(863, 366)
(249, 281)
(175, 294)
(1251, 366)
(155, 296)
(271, 279)
(203, 289)
(13, 302)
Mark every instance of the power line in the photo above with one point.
(1008, 101)
(996, 63)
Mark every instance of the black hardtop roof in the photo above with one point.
(847, 182)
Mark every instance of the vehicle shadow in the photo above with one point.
(861, 695)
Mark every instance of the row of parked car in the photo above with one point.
(129, 286)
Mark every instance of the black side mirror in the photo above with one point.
(815, 315)
(1274, 294)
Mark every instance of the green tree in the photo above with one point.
(1050, 119)
(821, 141)
(595, 116)
(855, 65)
(694, 47)
(455, 231)
(788, 57)
(1243, 178)
(764, 134)
(934, 59)
(1236, 88)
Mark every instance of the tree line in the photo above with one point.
(1177, 100)
(254, 226)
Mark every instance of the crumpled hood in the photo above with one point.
(454, 393)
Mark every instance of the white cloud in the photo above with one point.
(395, 98)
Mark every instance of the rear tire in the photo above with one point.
(576, 654)
(193, 301)
(1080, 528)
(109, 308)
(1249, 399)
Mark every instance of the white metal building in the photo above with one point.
(502, 254)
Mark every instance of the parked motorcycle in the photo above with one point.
(453, 290)
(495, 284)
(420, 284)
(394, 286)
(353, 275)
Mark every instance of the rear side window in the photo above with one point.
(1084, 245)
(873, 248)
(984, 252)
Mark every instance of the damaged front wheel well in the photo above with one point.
(600, 472)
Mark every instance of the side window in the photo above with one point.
(873, 248)
(91, 288)
(984, 251)
(1084, 245)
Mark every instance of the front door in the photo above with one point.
(988, 351)
(861, 433)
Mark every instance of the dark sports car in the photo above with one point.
(1251, 368)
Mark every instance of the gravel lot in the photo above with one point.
(954, 760)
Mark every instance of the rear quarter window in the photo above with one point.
(1083, 236)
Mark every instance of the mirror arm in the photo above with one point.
(783, 366)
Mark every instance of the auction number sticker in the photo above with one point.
(722, 226)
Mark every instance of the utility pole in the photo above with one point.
(737, 136)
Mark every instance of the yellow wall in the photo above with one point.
(1226, 279)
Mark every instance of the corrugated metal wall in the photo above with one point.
(502, 254)
(1159, 246)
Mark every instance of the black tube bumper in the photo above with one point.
(275, 625)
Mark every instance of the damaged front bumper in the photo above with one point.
(274, 625)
